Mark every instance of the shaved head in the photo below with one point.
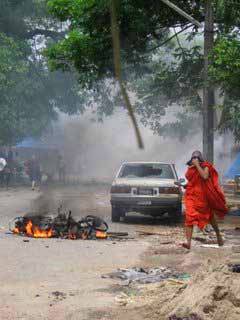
(197, 154)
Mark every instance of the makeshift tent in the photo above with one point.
(234, 169)
(46, 152)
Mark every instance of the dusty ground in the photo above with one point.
(61, 279)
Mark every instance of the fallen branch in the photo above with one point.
(182, 13)
(117, 65)
(176, 281)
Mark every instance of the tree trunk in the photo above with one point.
(208, 92)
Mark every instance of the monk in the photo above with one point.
(203, 198)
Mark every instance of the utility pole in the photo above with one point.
(208, 91)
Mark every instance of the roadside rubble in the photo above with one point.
(213, 293)
(234, 267)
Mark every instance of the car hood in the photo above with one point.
(138, 182)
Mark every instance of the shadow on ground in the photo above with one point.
(148, 220)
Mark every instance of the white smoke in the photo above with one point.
(95, 150)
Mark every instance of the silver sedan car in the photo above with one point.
(150, 188)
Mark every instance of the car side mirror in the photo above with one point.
(179, 182)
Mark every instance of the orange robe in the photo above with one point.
(203, 197)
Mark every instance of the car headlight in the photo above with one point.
(120, 189)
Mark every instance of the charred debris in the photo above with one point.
(64, 226)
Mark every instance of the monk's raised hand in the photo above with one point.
(195, 162)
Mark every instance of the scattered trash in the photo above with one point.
(192, 316)
(175, 281)
(145, 276)
(148, 233)
(234, 268)
(236, 249)
(58, 295)
(71, 294)
(215, 246)
(235, 212)
(208, 229)
(167, 242)
(184, 276)
(206, 240)
(122, 299)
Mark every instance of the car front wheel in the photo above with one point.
(116, 214)
(176, 214)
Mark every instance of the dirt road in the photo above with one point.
(61, 279)
(53, 278)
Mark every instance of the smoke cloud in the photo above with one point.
(95, 150)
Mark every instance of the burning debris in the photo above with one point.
(62, 226)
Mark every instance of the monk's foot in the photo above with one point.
(220, 241)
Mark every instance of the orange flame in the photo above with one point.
(35, 232)
(15, 230)
(72, 236)
(101, 234)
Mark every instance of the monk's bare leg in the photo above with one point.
(214, 224)
(189, 232)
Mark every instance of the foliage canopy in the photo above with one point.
(30, 95)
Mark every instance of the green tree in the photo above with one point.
(225, 72)
(88, 46)
(145, 27)
(30, 96)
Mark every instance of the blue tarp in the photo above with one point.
(234, 168)
(35, 144)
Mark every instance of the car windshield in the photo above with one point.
(152, 170)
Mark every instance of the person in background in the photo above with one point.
(2, 156)
(203, 198)
(7, 175)
(61, 169)
(34, 172)
(3, 153)
(9, 169)
(10, 155)
(2, 173)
